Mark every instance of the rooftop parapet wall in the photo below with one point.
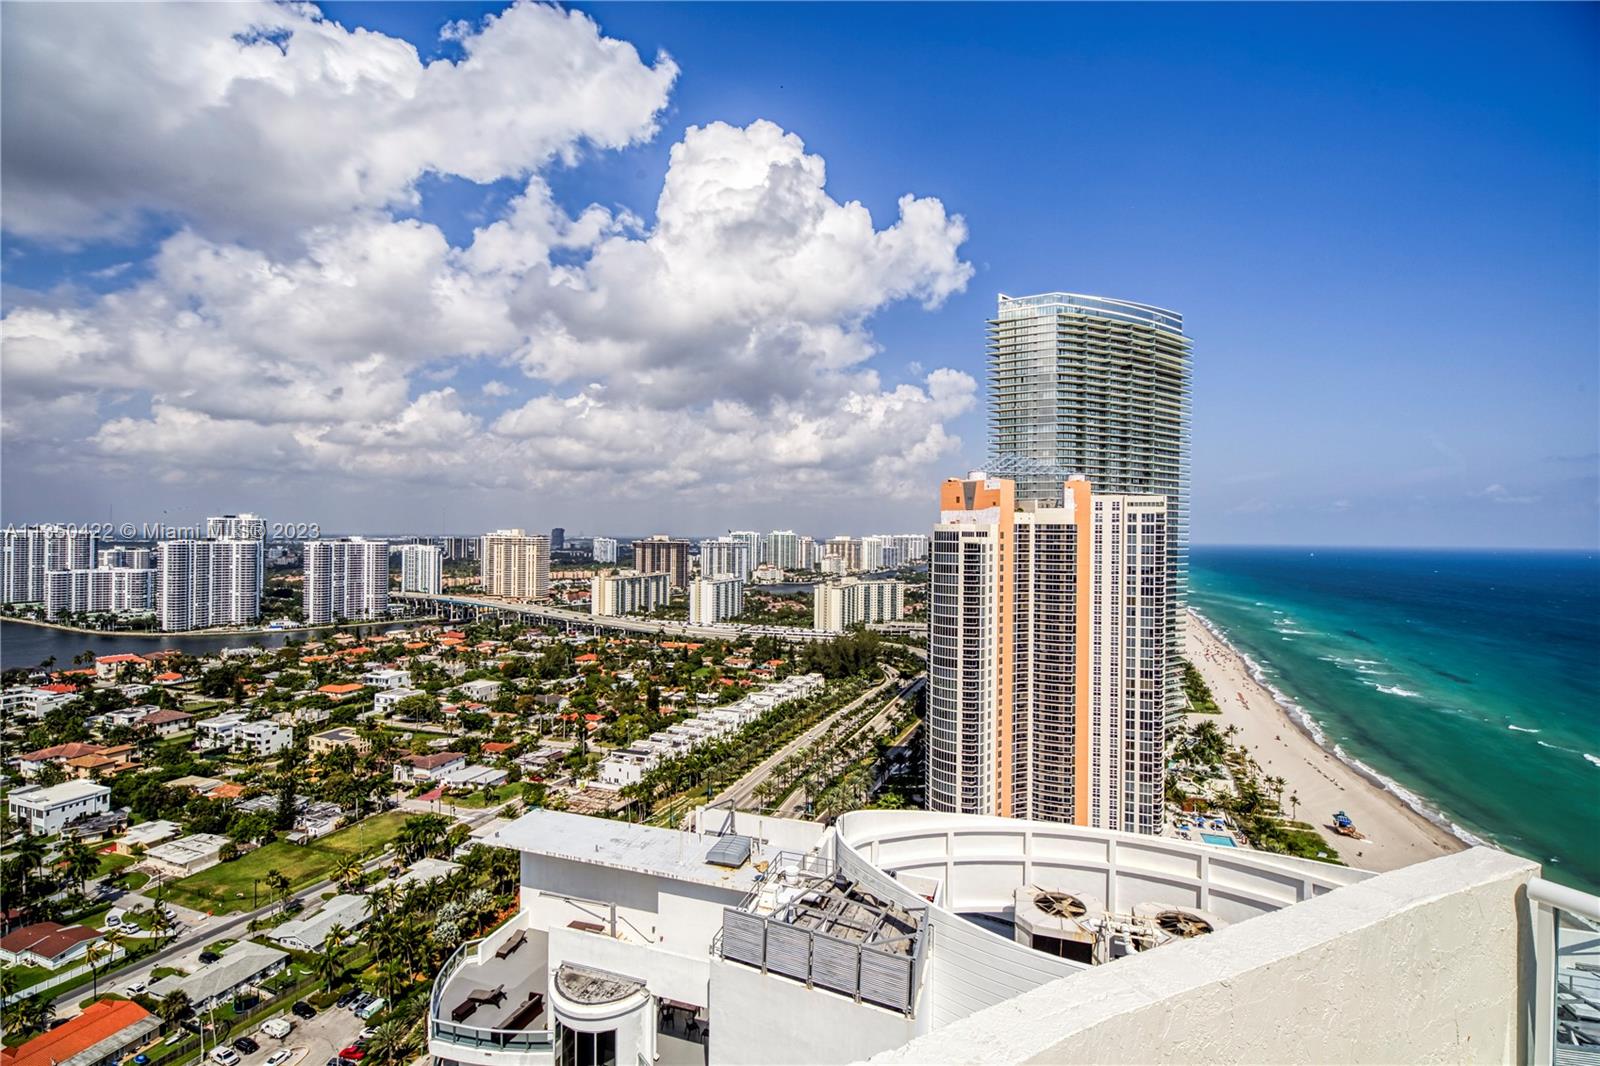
(1417, 965)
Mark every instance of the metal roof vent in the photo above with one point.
(732, 851)
(1183, 924)
(1060, 905)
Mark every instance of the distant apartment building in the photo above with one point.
(345, 578)
(421, 568)
(457, 549)
(1047, 655)
(839, 604)
(30, 552)
(132, 558)
(808, 555)
(236, 527)
(604, 549)
(913, 547)
(101, 590)
(783, 549)
(725, 555)
(847, 549)
(515, 565)
(212, 582)
(755, 543)
(715, 599)
(881, 552)
(558, 539)
(627, 592)
(663, 554)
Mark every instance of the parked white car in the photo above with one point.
(279, 1057)
(225, 1056)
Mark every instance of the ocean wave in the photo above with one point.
(1394, 690)
(1558, 747)
(1308, 725)
(1521, 729)
(1367, 662)
(1296, 632)
(1592, 758)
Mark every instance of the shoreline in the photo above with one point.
(218, 633)
(1397, 827)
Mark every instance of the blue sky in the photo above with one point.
(1378, 220)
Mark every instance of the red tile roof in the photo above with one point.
(165, 717)
(433, 762)
(495, 747)
(341, 690)
(76, 749)
(169, 676)
(58, 687)
(98, 1022)
(123, 657)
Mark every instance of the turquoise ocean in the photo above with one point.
(1467, 680)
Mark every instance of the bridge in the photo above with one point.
(464, 608)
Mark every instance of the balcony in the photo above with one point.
(488, 1005)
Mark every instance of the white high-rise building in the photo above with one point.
(1128, 635)
(515, 565)
(202, 583)
(236, 527)
(846, 548)
(783, 549)
(100, 590)
(756, 542)
(628, 591)
(30, 552)
(838, 605)
(346, 578)
(726, 555)
(134, 558)
(421, 568)
(604, 549)
(913, 547)
(715, 599)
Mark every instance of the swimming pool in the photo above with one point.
(1218, 840)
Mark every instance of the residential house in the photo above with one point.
(49, 810)
(147, 835)
(165, 723)
(339, 692)
(102, 1035)
(241, 965)
(107, 667)
(338, 737)
(384, 702)
(413, 769)
(48, 944)
(307, 934)
(190, 854)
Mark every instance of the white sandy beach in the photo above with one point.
(1395, 835)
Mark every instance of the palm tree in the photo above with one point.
(392, 1043)
(174, 1007)
(392, 971)
(1294, 804)
(279, 884)
(34, 1014)
(329, 963)
(349, 871)
(93, 956)
(81, 863)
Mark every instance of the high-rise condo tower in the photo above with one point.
(1100, 387)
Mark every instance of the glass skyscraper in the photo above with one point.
(1100, 387)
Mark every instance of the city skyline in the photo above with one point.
(144, 369)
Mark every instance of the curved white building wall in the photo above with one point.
(979, 863)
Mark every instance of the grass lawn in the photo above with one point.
(487, 797)
(111, 862)
(230, 886)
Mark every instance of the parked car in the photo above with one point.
(352, 1054)
(279, 1057)
(225, 1056)
(277, 1028)
(377, 1004)
(245, 1046)
(133, 989)
(302, 1009)
(349, 999)
(208, 957)
(113, 919)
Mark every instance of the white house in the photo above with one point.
(217, 732)
(48, 944)
(383, 702)
(483, 690)
(262, 738)
(380, 677)
(245, 963)
(307, 934)
(191, 854)
(48, 810)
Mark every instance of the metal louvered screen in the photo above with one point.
(886, 979)
(744, 937)
(788, 951)
(833, 963)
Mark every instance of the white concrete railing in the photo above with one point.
(1563, 1023)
